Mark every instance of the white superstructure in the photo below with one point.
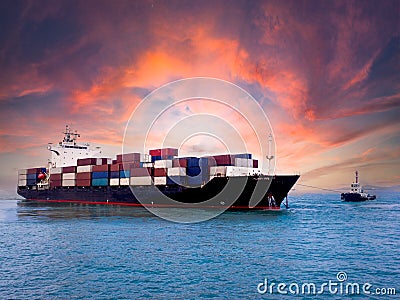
(68, 151)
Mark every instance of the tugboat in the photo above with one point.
(356, 193)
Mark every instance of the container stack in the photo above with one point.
(159, 167)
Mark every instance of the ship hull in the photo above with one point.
(258, 192)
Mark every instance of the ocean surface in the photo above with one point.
(107, 252)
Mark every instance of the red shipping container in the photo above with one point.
(114, 161)
(87, 161)
(128, 157)
(255, 163)
(34, 170)
(179, 162)
(211, 161)
(159, 172)
(139, 172)
(104, 161)
(223, 160)
(100, 168)
(128, 166)
(55, 183)
(69, 169)
(55, 177)
(83, 176)
(164, 152)
(83, 182)
(114, 168)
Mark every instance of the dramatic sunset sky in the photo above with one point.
(326, 73)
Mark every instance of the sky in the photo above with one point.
(326, 74)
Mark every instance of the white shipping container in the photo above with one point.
(68, 182)
(22, 182)
(160, 180)
(124, 181)
(218, 171)
(69, 176)
(22, 176)
(114, 181)
(244, 162)
(143, 180)
(146, 158)
(148, 165)
(22, 172)
(84, 169)
(177, 171)
(57, 170)
(163, 163)
(237, 171)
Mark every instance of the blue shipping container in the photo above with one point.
(193, 171)
(114, 174)
(30, 181)
(193, 162)
(124, 174)
(31, 176)
(99, 181)
(96, 175)
(195, 181)
(154, 158)
(176, 180)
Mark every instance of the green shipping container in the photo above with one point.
(99, 181)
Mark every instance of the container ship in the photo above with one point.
(79, 173)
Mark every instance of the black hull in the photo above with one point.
(356, 197)
(257, 192)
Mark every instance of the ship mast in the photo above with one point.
(356, 176)
(70, 137)
(269, 156)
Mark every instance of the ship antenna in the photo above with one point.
(269, 156)
(356, 176)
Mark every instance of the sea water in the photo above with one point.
(110, 252)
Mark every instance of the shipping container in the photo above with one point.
(218, 171)
(68, 182)
(114, 167)
(84, 176)
(57, 170)
(244, 162)
(147, 165)
(128, 157)
(55, 183)
(68, 176)
(163, 163)
(71, 169)
(164, 152)
(96, 175)
(83, 182)
(237, 171)
(89, 161)
(177, 180)
(193, 171)
(114, 181)
(142, 180)
(194, 181)
(31, 182)
(22, 182)
(176, 171)
(101, 168)
(55, 176)
(192, 162)
(124, 174)
(224, 160)
(160, 180)
(164, 157)
(124, 181)
(100, 182)
(22, 171)
(128, 166)
(160, 172)
(35, 170)
(179, 162)
(145, 158)
(242, 155)
(137, 172)
(31, 176)
(84, 169)
(255, 163)
(114, 174)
